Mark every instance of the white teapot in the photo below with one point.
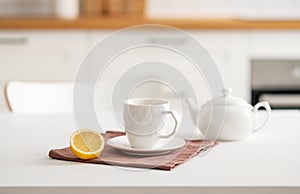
(227, 118)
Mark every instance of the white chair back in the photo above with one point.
(40, 97)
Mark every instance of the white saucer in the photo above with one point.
(121, 143)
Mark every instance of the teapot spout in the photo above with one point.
(193, 108)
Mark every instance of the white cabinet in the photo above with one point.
(229, 50)
(41, 55)
(45, 55)
(280, 44)
(96, 36)
(52, 55)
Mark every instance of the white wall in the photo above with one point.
(247, 9)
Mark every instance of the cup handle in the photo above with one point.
(266, 105)
(175, 126)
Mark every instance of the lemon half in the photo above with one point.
(87, 143)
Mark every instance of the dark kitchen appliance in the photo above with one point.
(276, 81)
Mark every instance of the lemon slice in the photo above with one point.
(86, 143)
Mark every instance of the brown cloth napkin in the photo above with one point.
(111, 156)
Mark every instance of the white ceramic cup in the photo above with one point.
(144, 121)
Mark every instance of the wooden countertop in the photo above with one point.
(113, 23)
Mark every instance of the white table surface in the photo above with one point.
(268, 160)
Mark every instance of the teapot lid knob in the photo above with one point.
(227, 91)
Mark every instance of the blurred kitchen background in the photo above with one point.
(255, 43)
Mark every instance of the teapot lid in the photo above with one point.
(228, 99)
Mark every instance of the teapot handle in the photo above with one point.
(267, 107)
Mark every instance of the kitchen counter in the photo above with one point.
(266, 162)
(117, 22)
